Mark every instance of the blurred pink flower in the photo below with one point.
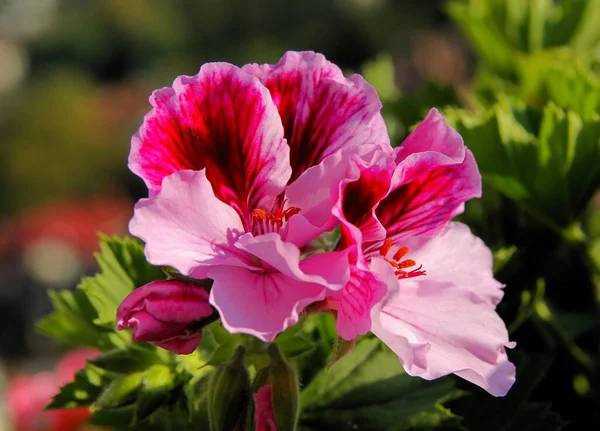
(264, 416)
(421, 284)
(27, 397)
(163, 313)
(240, 164)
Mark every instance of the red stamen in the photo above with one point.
(385, 248)
(400, 253)
(271, 221)
(399, 265)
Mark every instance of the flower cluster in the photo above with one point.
(250, 169)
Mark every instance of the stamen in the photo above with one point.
(385, 248)
(271, 221)
(400, 266)
(400, 253)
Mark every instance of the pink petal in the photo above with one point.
(323, 180)
(326, 269)
(185, 226)
(260, 304)
(457, 256)
(437, 328)
(436, 174)
(221, 119)
(264, 303)
(355, 302)
(321, 110)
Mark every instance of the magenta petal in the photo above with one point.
(359, 196)
(435, 175)
(185, 226)
(182, 345)
(437, 329)
(457, 256)
(221, 119)
(260, 304)
(321, 110)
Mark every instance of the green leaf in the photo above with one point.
(157, 384)
(71, 322)
(123, 267)
(544, 160)
(122, 391)
(125, 360)
(368, 389)
(83, 391)
(502, 30)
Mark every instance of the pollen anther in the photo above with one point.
(397, 263)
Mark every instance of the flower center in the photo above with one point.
(271, 221)
(401, 267)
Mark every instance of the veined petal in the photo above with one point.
(456, 255)
(359, 195)
(221, 119)
(435, 175)
(259, 304)
(321, 110)
(437, 329)
(185, 226)
(356, 300)
(323, 180)
(329, 270)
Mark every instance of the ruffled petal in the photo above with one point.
(435, 175)
(185, 226)
(355, 302)
(456, 255)
(329, 270)
(260, 304)
(221, 119)
(321, 110)
(437, 329)
(359, 197)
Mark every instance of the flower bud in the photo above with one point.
(264, 417)
(163, 313)
(284, 390)
(229, 394)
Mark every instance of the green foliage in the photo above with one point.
(546, 160)
(501, 31)
(367, 389)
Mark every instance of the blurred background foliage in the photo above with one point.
(519, 79)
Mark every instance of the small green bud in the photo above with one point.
(229, 393)
(285, 391)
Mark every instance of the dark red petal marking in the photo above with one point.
(426, 204)
(223, 120)
(321, 110)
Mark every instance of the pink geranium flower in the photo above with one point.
(241, 165)
(421, 284)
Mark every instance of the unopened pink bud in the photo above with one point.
(264, 417)
(162, 313)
